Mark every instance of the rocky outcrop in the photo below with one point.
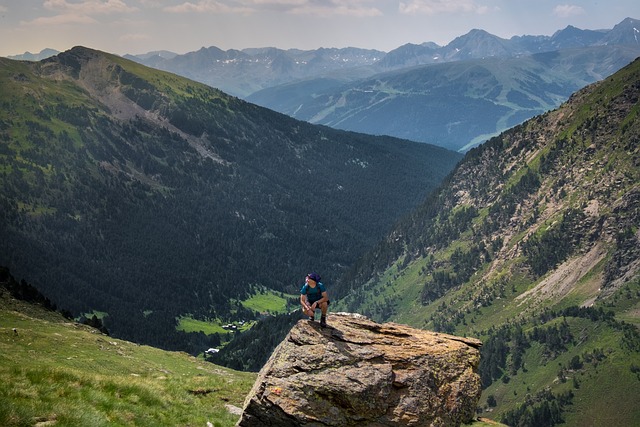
(360, 373)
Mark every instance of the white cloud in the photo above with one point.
(151, 3)
(435, 7)
(278, 2)
(207, 6)
(567, 10)
(356, 8)
(82, 12)
(60, 20)
(89, 7)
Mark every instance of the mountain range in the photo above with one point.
(455, 96)
(145, 197)
(244, 72)
(28, 56)
(460, 95)
(456, 105)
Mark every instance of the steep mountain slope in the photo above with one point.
(144, 195)
(532, 245)
(457, 104)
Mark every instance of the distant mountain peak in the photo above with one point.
(626, 32)
(430, 45)
(479, 32)
(28, 56)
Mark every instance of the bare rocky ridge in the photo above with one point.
(360, 373)
(96, 76)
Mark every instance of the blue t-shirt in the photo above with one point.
(313, 294)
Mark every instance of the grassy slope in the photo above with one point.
(269, 301)
(56, 370)
(605, 390)
(264, 301)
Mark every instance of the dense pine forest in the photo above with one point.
(142, 197)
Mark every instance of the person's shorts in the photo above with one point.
(311, 302)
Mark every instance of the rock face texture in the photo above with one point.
(360, 373)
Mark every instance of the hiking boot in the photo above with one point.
(312, 319)
(323, 321)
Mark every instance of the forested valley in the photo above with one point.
(142, 197)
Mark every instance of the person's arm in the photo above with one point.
(303, 301)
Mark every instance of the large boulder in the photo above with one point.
(357, 372)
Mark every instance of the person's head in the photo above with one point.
(312, 279)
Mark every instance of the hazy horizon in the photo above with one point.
(141, 26)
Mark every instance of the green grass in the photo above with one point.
(603, 390)
(263, 301)
(269, 301)
(626, 302)
(56, 372)
(68, 374)
(99, 314)
(189, 324)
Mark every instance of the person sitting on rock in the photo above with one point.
(313, 295)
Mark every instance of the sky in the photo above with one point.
(141, 26)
